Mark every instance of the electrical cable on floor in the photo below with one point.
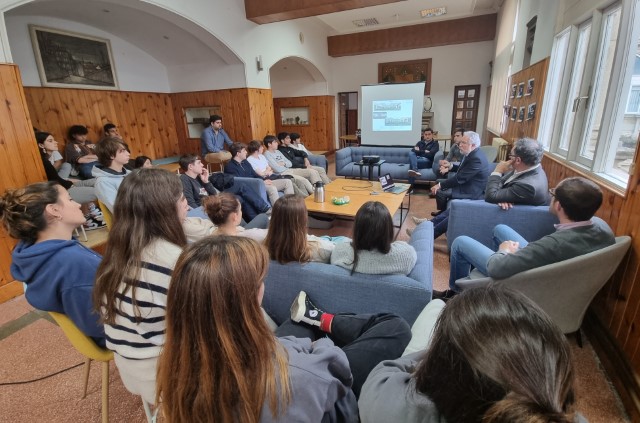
(41, 378)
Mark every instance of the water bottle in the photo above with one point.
(318, 192)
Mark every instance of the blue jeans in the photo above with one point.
(417, 162)
(467, 252)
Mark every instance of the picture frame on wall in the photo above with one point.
(70, 60)
(461, 94)
(459, 114)
(531, 111)
(514, 88)
(530, 84)
(471, 93)
(520, 89)
(469, 104)
(514, 113)
(460, 104)
(521, 114)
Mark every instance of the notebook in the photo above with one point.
(388, 185)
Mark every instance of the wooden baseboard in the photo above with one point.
(10, 290)
(615, 363)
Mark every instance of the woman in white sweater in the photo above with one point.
(372, 250)
(133, 278)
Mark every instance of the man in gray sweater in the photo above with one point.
(574, 201)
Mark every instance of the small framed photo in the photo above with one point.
(520, 89)
(507, 110)
(514, 87)
(461, 94)
(468, 114)
(459, 114)
(530, 86)
(469, 104)
(458, 124)
(467, 125)
(471, 93)
(460, 104)
(514, 113)
(521, 114)
(531, 111)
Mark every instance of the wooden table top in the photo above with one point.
(359, 192)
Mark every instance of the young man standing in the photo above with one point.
(239, 166)
(112, 154)
(214, 137)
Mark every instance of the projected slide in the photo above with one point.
(391, 115)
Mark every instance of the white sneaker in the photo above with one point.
(418, 220)
(410, 231)
(303, 310)
(414, 173)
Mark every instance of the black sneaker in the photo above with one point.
(445, 295)
(303, 310)
(93, 223)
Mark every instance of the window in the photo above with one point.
(594, 92)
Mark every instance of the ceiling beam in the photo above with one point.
(267, 11)
(441, 33)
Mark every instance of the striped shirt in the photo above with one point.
(144, 339)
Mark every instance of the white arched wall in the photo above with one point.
(296, 77)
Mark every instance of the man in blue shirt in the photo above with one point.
(214, 137)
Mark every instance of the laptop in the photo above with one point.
(387, 184)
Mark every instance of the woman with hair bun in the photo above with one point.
(495, 357)
(59, 271)
(225, 212)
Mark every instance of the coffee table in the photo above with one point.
(359, 192)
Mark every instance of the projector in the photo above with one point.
(369, 160)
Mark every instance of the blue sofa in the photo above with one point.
(334, 289)
(477, 218)
(396, 162)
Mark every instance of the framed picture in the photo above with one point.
(530, 86)
(458, 124)
(514, 87)
(468, 114)
(69, 60)
(406, 71)
(531, 111)
(521, 114)
(459, 115)
(460, 93)
(471, 93)
(520, 89)
(514, 113)
(469, 104)
(460, 104)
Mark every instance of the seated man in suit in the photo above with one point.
(574, 201)
(471, 176)
(519, 180)
(240, 166)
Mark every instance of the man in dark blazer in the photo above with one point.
(471, 175)
(521, 179)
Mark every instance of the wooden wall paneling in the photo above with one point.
(145, 120)
(20, 162)
(527, 128)
(262, 12)
(262, 114)
(318, 135)
(442, 33)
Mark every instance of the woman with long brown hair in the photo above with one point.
(221, 363)
(225, 211)
(495, 357)
(144, 243)
(287, 239)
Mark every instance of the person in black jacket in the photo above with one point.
(422, 155)
(240, 166)
(298, 158)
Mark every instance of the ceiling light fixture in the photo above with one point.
(433, 12)
(366, 22)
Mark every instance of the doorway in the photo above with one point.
(347, 113)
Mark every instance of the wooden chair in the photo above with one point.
(218, 158)
(108, 216)
(85, 346)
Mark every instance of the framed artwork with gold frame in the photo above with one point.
(407, 71)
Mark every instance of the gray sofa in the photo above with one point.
(396, 162)
(334, 289)
(477, 218)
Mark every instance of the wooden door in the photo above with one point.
(465, 107)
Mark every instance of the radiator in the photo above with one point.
(503, 148)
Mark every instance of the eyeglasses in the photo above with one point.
(552, 192)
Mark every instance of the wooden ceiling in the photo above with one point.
(267, 11)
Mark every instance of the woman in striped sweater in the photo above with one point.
(132, 280)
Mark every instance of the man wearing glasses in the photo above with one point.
(574, 201)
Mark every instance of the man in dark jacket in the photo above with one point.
(422, 155)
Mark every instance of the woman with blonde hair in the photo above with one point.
(225, 211)
(495, 357)
(222, 363)
(287, 239)
(132, 281)
(58, 270)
